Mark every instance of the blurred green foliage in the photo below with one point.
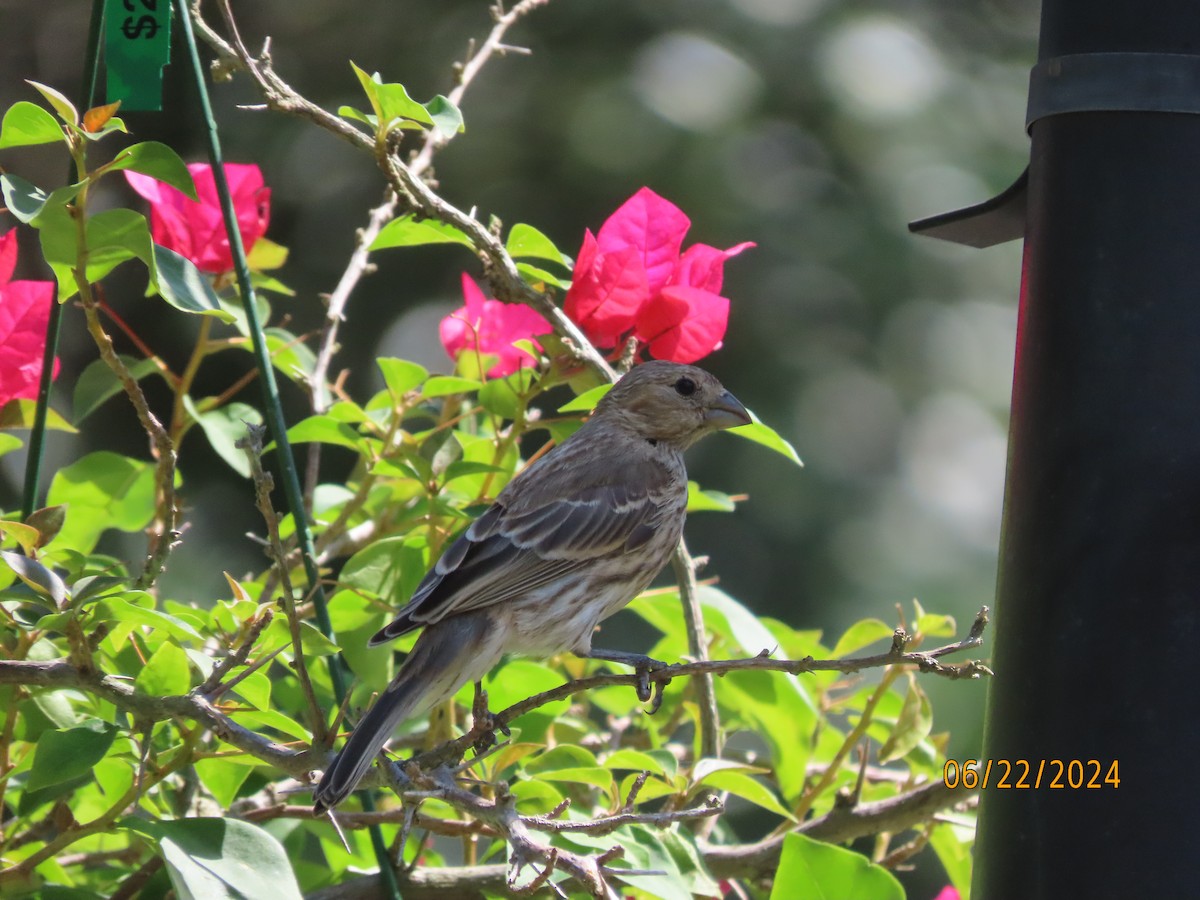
(816, 129)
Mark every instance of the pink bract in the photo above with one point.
(491, 328)
(194, 228)
(24, 312)
(634, 277)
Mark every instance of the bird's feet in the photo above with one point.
(484, 722)
(642, 666)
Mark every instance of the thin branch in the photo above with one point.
(191, 707)
(499, 268)
(706, 698)
(926, 661)
(252, 444)
(840, 825)
(750, 861)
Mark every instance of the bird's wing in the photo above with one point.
(547, 526)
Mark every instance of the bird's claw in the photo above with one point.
(484, 722)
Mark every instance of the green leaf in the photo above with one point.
(521, 678)
(955, 854)
(401, 376)
(778, 706)
(934, 625)
(223, 777)
(464, 468)
(266, 255)
(763, 434)
(390, 568)
(503, 396)
(391, 102)
(214, 859)
(408, 232)
(819, 871)
(639, 761)
(224, 427)
(113, 124)
(185, 287)
(37, 576)
(64, 107)
(19, 414)
(102, 490)
(447, 117)
(68, 753)
(860, 634)
(26, 124)
(166, 674)
(443, 385)
(735, 779)
(571, 764)
(118, 609)
(112, 237)
(652, 851)
(24, 199)
(913, 725)
(98, 383)
(9, 443)
(357, 115)
(707, 501)
(324, 429)
(586, 401)
(525, 240)
(290, 355)
(272, 718)
(158, 161)
(535, 276)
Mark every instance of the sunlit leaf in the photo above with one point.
(768, 437)
(408, 232)
(821, 871)
(158, 161)
(26, 124)
(225, 859)
(61, 105)
(860, 634)
(913, 725)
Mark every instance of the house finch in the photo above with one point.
(568, 542)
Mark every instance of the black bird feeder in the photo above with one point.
(1098, 598)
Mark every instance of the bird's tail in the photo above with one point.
(445, 657)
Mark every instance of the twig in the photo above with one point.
(693, 618)
(750, 861)
(252, 444)
(163, 533)
(499, 268)
(238, 657)
(927, 661)
(837, 827)
(191, 707)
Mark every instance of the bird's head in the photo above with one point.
(672, 403)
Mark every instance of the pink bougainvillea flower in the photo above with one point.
(631, 277)
(949, 892)
(195, 229)
(490, 327)
(24, 312)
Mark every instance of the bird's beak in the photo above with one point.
(726, 412)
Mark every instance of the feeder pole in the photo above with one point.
(1098, 601)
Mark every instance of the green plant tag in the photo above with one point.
(137, 44)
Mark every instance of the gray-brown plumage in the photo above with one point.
(570, 541)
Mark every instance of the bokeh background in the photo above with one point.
(816, 128)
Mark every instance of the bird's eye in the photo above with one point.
(685, 386)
